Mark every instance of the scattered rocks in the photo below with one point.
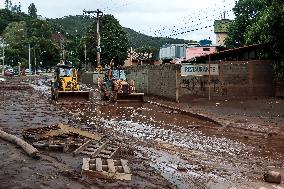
(272, 177)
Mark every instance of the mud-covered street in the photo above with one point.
(218, 144)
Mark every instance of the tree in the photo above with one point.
(11, 7)
(32, 10)
(114, 41)
(259, 22)
(15, 36)
(146, 53)
(19, 30)
(247, 12)
(15, 33)
(39, 37)
(7, 16)
(8, 4)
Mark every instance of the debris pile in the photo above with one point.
(106, 168)
(99, 162)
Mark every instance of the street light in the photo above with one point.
(41, 58)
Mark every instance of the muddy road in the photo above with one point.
(165, 147)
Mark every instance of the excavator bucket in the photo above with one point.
(72, 96)
(132, 97)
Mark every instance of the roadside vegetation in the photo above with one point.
(53, 39)
(260, 22)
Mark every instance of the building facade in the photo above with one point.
(172, 51)
(221, 29)
(192, 52)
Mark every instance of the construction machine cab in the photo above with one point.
(116, 87)
(66, 84)
(66, 78)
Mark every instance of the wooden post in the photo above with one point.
(177, 84)
(209, 79)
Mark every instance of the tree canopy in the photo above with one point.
(20, 31)
(259, 22)
(49, 38)
(114, 41)
(32, 10)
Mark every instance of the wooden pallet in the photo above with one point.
(63, 143)
(58, 130)
(68, 129)
(106, 169)
(97, 149)
(35, 133)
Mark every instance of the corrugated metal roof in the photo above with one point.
(244, 48)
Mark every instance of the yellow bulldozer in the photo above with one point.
(114, 88)
(65, 85)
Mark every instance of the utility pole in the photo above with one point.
(99, 14)
(30, 66)
(3, 70)
(131, 56)
(35, 60)
(85, 56)
(209, 79)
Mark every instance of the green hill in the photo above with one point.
(74, 25)
(137, 40)
(77, 25)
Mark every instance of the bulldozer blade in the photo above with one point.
(133, 97)
(73, 96)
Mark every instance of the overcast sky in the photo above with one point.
(152, 17)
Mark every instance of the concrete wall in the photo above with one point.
(236, 79)
(156, 80)
(89, 78)
(221, 38)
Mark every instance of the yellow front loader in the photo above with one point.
(65, 85)
(117, 89)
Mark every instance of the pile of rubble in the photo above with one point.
(99, 152)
